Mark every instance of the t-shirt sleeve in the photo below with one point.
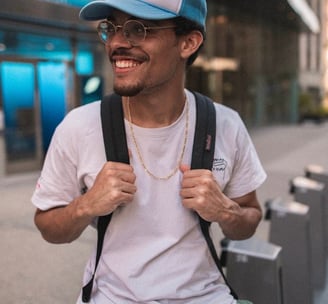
(58, 184)
(247, 172)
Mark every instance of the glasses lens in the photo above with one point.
(134, 31)
(106, 31)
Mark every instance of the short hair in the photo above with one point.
(185, 26)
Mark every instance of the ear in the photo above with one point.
(191, 43)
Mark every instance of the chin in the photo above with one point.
(127, 91)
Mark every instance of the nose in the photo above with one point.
(119, 39)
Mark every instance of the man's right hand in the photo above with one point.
(114, 186)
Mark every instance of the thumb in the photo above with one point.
(184, 168)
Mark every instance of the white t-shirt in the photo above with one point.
(154, 251)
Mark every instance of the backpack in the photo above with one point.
(112, 118)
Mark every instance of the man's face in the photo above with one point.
(151, 64)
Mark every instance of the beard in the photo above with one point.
(127, 90)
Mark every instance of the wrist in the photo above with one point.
(229, 212)
(82, 210)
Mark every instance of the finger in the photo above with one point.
(110, 165)
(186, 193)
(128, 177)
(128, 188)
(120, 170)
(187, 203)
(184, 168)
(191, 178)
(126, 198)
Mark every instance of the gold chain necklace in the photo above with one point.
(166, 177)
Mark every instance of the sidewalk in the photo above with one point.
(35, 272)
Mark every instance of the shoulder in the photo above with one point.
(83, 114)
(81, 119)
(230, 127)
(224, 112)
(77, 126)
(228, 120)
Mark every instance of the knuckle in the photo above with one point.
(201, 201)
(207, 180)
(203, 191)
(115, 195)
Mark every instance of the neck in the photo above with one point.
(138, 150)
(154, 112)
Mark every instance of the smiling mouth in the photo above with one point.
(124, 64)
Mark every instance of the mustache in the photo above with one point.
(127, 53)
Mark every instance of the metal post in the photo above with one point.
(310, 192)
(253, 269)
(318, 173)
(290, 229)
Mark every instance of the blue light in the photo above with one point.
(16, 75)
(84, 63)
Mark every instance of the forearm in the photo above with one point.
(239, 220)
(63, 224)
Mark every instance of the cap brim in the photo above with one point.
(98, 10)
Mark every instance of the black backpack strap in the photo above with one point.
(112, 119)
(113, 128)
(205, 131)
(202, 158)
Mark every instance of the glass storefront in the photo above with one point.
(42, 77)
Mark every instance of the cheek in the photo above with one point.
(165, 49)
(166, 58)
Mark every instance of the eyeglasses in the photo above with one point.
(134, 31)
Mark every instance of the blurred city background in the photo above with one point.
(266, 59)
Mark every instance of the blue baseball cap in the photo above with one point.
(194, 10)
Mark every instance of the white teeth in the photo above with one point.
(125, 64)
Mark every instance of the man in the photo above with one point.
(154, 251)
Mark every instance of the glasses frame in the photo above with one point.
(126, 33)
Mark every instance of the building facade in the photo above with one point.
(252, 59)
(313, 58)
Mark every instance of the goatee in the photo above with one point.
(127, 91)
